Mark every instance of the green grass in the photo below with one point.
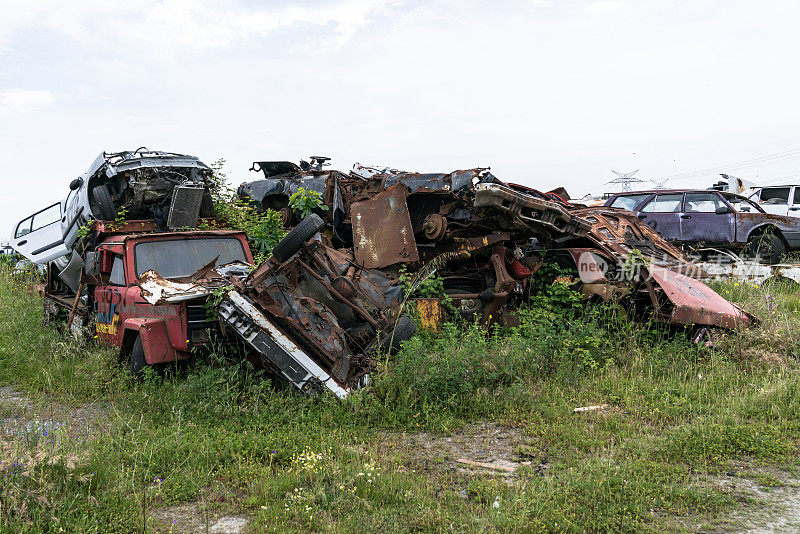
(219, 436)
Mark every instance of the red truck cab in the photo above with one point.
(149, 334)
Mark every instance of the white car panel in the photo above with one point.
(38, 237)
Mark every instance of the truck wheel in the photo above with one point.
(403, 330)
(301, 233)
(767, 247)
(104, 203)
(136, 360)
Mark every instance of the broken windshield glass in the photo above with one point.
(177, 258)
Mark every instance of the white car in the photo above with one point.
(778, 199)
(171, 189)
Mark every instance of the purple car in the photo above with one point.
(714, 218)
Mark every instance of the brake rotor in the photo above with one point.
(435, 226)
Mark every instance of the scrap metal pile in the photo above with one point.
(334, 288)
(338, 288)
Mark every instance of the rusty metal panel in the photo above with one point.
(382, 231)
(157, 290)
(617, 232)
(696, 303)
(431, 313)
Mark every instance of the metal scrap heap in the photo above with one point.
(335, 290)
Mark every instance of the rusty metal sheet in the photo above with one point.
(382, 231)
(617, 232)
(431, 313)
(157, 290)
(696, 303)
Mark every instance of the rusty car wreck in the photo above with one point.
(436, 221)
(332, 295)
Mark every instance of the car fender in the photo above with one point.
(764, 228)
(155, 340)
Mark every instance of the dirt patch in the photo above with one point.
(23, 418)
(190, 518)
(772, 500)
(501, 446)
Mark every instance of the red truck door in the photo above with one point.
(110, 298)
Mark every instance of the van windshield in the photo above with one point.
(177, 258)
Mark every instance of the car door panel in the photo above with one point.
(38, 236)
(775, 199)
(662, 214)
(701, 222)
(794, 209)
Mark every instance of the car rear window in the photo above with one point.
(176, 258)
(629, 202)
(668, 203)
(774, 195)
(703, 203)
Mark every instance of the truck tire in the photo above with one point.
(767, 247)
(136, 359)
(105, 206)
(403, 330)
(301, 233)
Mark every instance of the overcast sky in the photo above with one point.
(547, 93)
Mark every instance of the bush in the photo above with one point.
(263, 228)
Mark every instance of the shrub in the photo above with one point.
(263, 228)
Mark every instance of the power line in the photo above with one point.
(779, 179)
(770, 159)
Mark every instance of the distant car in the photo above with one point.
(715, 218)
(778, 199)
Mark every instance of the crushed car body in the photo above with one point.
(433, 222)
(314, 315)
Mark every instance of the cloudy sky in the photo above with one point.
(546, 92)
